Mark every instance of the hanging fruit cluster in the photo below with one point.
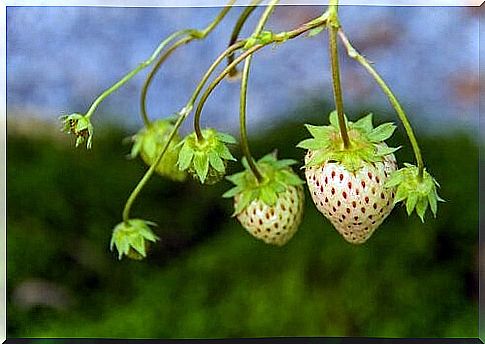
(351, 173)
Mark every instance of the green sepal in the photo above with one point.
(150, 140)
(277, 177)
(80, 126)
(366, 143)
(132, 235)
(415, 192)
(205, 159)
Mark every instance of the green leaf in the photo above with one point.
(224, 152)
(185, 157)
(216, 162)
(320, 132)
(246, 198)
(312, 144)
(421, 207)
(383, 151)
(333, 118)
(201, 165)
(364, 124)
(411, 202)
(226, 138)
(135, 149)
(268, 196)
(232, 192)
(401, 194)
(382, 132)
(433, 202)
(138, 244)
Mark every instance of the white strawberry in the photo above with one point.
(348, 185)
(270, 210)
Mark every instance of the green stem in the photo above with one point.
(153, 72)
(320, 21)
(237, 29)
(183, 115)
(243, 96)
(191, 35)
(135, 71)
(353, 53)
(151, 170)
(277, 38)
(333, 27)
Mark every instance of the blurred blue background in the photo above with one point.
(61, 58)
(207, 277)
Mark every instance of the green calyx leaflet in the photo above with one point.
(207, 157)
(80, 126)
(277, 174)
(366, 143)
(415, 193)
(132, 235)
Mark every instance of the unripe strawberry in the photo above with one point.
(272, 209)
(356, 203)
(80, 126)
(274, 224)
(132, 238)
(148, 143)
(348, 185)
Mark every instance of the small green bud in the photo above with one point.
(206, 159)
(80, 126)
(148, 143)
(132, 238)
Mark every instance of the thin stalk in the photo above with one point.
(153, 72)
(353, 53)
(320, 21)
(191, 35)
(237, 30)
(183, 115)
(243, 96)
(135, 71)
(280, 37)
(333, 27)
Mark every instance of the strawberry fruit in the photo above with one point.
(270, 210)
(348, 186)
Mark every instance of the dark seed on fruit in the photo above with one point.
(375, 206)
(362, 210)
(339, 203)
(341, 177)
(344, 194)
(366, 199)
(348, 210)
(354, 204)
(333, 191)
(333, 174)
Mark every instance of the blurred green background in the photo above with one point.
(207, 277)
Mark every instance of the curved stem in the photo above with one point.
(333, 27)
(353, 53)
(237, 29)
(191, 35)
(280, 37)
(317, 22)
(135, 71)
(153, 72)
(243, 97)
(183, 115)
(242, 121)
(151, 170)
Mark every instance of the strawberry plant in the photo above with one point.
(351, 173)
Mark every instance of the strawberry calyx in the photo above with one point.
(366, 143)
(132, 237)
(150, 140)
(416, 192)
(205, 159)
(80, 126)
(278, 176)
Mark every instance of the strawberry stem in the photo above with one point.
(333, 27)
(237, 30)
(353, 53)
(190, 36)
(243, 95)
